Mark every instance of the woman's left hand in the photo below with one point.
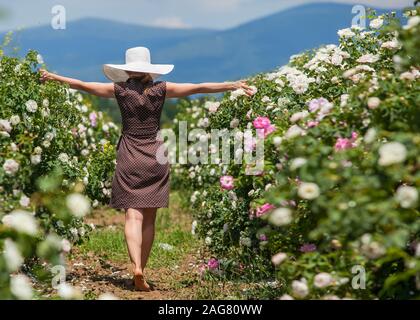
(45, 75)
(243, 85)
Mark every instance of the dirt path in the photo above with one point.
(96, 275)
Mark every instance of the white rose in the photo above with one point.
(5, 125)
(105, 128)
(234, 123)
(346, 33)
(297, 163)
(407, 76)
(391, 45)
(265, 99)
(208, 241)
(300, 288)
(35, 159)
(21, 287)
(46, 144)
(376, 23)
(12, 255)
(294, 131)
(278, 258)
(412, 22)
(194, 225)
(39, 59)
(299, 115)
(31, 106)
(10, 166)
(373, 102)
(212, 106)
(286, 297)
(308, 190)
(392, 153)
(65, 245)
(107, 296)
(24, 201)
(14, 147)
(368, 58)
(322, 280)
(277, 141)
(337, 59)
(78, 204)
(373, 250)
(14, 120)
(280, 217)
(204, 122)
(49, 136)
(407, 196)
(22, 221)
(370, 136)
(237, 93)
(67, 291)
(63, 157)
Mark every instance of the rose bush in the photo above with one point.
(334, 212)
(44, 128)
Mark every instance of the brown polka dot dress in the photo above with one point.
(140, 179)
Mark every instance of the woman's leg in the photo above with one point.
(133, 236)
(148, 232)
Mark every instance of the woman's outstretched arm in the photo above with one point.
(105, 90)
(179, 90)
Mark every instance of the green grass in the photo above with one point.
(107, 244)
(110, 244)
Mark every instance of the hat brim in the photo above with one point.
(117, 72)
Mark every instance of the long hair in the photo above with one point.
(144, 78)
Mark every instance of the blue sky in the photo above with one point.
(215, 14)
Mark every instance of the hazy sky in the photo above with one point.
(218, 14)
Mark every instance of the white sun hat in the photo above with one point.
(137, 60)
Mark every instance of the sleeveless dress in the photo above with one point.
(140, 180)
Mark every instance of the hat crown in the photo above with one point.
(137, 54)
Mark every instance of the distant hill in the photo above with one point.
(198, 54)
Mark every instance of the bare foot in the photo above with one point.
(140, 283)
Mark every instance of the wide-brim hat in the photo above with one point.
(137, 60)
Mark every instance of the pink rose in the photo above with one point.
(262, 237)
(345, 143)
(226, 182)
(264, 209)
(312, 124)
(316, 104)
(249, 144)
(213, 264)
(270, 129)
(308, 247)
(92, 118)
(261, 122)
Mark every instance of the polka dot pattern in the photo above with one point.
(140, 181)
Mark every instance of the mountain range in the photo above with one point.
(198, 54)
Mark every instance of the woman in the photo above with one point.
(141, 184)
